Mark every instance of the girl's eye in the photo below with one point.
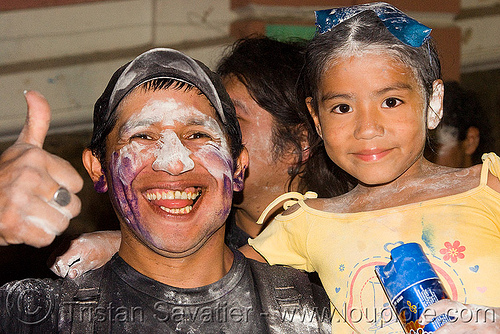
(342, 109)
(391, 103)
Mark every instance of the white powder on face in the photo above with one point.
(135, 154)
(170, 152)
(206, 155)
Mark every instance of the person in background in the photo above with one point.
(261, 75)
(464, 133)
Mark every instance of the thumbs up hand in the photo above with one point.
(30, 210)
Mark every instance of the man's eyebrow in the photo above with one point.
(196, 121)
(132, 124)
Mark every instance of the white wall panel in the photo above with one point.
(55, 32)
(480, 50)
(70, 90)
(179, 21)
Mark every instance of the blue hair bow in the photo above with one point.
(406, 29)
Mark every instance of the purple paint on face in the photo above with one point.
(239, 180)
(228, 191)
(101, 186)
(126, 200)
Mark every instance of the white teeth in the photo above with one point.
(178, 211)
(170, 194)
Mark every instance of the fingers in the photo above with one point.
(28, 213)
(35, 230)
(464, 318)
(63, 174)
(31, 182)
(63, 263)
(37, 120)
(88, 251)
(444, 306)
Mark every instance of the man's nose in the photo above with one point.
(172, 156)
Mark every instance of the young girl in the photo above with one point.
(375, 90)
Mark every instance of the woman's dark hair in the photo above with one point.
(270, 71)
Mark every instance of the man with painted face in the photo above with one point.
(261, 77)
(167, 147)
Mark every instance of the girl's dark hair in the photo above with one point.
(366, 33)
(361, 34)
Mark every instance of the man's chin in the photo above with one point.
(179, 248)
(177, 252)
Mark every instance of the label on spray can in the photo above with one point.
(411, 284)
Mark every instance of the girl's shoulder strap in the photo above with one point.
(291, 198)
(491, 164)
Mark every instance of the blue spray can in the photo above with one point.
(411, 284)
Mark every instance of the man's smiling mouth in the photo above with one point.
(175, 202)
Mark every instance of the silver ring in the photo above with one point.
(62, 196)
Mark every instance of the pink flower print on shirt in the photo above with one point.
(453, 252)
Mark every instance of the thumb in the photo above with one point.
(37, 120)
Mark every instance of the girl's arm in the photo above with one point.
(88, 251)
(470, 318)
(251, 253)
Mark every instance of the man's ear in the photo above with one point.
(435, 110)
(239, 173)
(471, 141)
(94, 168)
(314, 115)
